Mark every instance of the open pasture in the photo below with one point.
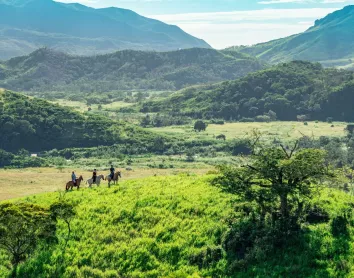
(24, 182)
(284, 131)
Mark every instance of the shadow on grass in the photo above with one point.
(311, 253)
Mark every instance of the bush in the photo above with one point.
(217, 122)
(240, 147)
(246, 120)
(263, 119)
(339, 226)
(5, 158)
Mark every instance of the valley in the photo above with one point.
(236, 162)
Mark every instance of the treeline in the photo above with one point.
(45, 70)
(292, 91)
(36, 125)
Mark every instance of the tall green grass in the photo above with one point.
(174, 227)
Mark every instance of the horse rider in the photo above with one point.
(73, 178)
(112, 170)
(94, 175)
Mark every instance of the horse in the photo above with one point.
(98, 181)
(116, 176)
(70, 184)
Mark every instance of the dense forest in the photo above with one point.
(35, 125)
(291, 91)
(46, 70)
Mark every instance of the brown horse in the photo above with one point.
(116, 176)
(70, 184)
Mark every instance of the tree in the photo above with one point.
(64, 211)
(200, 126)
(5, 158)
(22, 228)
(146, 121)
(277, 180)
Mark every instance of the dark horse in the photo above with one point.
(70, 184)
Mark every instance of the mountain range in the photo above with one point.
(46, 70)
(285, 92)
(330, 41)
(26, 25)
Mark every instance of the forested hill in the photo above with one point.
(26, 25)
(36, 125)
(48, 70)
(287, 90)
(330, 41)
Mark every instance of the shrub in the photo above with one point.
(339, 226)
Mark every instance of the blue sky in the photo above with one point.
(224, 23)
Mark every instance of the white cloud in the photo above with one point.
(223, 29)
(269, 2)
(252, 15)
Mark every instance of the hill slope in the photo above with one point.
(47, 70)
(289, 90)
(330, 41)
(36, 125)
(175, 227)
(26, 25)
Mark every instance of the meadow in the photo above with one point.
(31, 181)
(283, 131)
(175, 227)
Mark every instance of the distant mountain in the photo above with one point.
(47, 70)
(330, 41)
(26, 25)
(284, 91)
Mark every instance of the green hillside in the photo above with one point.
(36, 125)
(282, 92)
(47, 70)
(74, 28)
(176, 227)
(330, 39)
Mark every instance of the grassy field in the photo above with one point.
(285, 131)
(30, 181)
(77, 105)
(174, 227)
(82, 106)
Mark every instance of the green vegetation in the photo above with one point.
(77, 29)
(179, 226)
(295, 90)
(330, 41)
(47, 126)
(46, 71)
(22, 228)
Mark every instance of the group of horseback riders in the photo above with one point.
(74, 179)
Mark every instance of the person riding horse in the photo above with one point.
(94, 175)
(112, 170)
(73, 178)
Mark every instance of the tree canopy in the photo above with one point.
(282, 92)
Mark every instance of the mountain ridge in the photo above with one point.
(74, 28)
(47, 70)
(330, 41)
(283, 92)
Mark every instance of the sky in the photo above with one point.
(224, 23)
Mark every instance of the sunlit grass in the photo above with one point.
(284, 131)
